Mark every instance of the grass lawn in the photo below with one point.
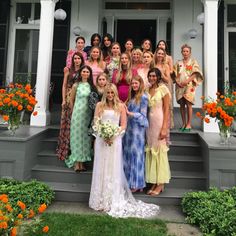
(61, 224)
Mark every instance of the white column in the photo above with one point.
(210, 55)
(162, 23)
(44, 63)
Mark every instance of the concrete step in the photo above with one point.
(188, 136)
(80, 193)
(179, 179)
(185, 147)
(186, 163)
(50, 143)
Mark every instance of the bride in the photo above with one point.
(109, 190)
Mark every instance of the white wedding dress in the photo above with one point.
(109, 190)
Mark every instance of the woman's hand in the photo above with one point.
(163, 133)
(109, 141)
(63, 104)
(128, 112)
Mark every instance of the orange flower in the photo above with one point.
(20, 216)
(14, 103)
(29, 108)
(207, 120)
(42, 208)
(9, 208)
(6, 100)
(222, 96)
(13, 231)
(31, 214)
(4, 199)
(45, 229)
(19, 108)
(5, 117)
(35, 113)
(21, 205)
(3, 225)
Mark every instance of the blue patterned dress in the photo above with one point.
(134, 143)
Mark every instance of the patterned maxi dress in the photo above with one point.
(80, 141)
(134, 144)
(157, 165)
(182, 73)
(63, 146)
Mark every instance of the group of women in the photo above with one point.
(131, 89)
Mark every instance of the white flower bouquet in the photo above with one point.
(106, 130)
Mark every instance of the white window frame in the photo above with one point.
(12, 36)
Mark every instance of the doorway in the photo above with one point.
(136, 30)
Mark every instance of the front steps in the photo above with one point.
(185, 157)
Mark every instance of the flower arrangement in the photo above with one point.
(13, 100)
(106, 130)
(13, 218)
(222, 109)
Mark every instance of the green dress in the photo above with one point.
(80, 141)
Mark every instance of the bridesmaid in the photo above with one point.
(70, 76)
(80, 42)
(146, 45)
(134, 139)
(96, 63)
(157, 165)
(129, 45)
(122, 77)
(81, 116)
(137, 58)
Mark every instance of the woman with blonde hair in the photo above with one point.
(96, 63)
(148, 63)
(134, 139)
(137, 58)
(109, 190)
(123, 75)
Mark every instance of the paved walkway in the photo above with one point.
(171, 214)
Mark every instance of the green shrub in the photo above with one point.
(32, 193)
(213, 211)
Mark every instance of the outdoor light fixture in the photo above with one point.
(201, 18)
(60, 14)
(76, 30)
(192, 33)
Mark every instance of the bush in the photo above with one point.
(32, 193)
(213, 211)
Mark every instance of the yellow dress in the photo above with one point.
(157, 164)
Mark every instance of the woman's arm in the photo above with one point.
(72, 97)
(123, 117)
(64, 86)
(166, 114)
(166, 74)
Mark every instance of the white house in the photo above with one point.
(33, 42)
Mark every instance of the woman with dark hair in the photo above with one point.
(169, 61)
(80, 42)
(146, 45)
(94, 41)
(80, 141)
(107, 41)
(129, 45)
(157, 165)
(70, 77)
(134, 139)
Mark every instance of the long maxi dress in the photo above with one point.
(63, 146)
(134, 143)
(109, 188)
(80, 141)
(157, 164)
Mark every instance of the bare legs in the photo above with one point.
(156, 189)
(186, 106)
(79, 166)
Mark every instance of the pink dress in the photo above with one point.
(70, 55)
(96, 71)
(123, 85)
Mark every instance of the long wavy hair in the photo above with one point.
(116, 101)
(136, 95)
(90, 78)
(100, 58)
(72, 70)
(155, 55)
(128, 72)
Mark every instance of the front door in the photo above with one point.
(136, 30)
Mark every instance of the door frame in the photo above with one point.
(227, 30)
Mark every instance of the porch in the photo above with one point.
(197, 162)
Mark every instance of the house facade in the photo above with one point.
(34, 45)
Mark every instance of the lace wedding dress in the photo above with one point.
(109, 190)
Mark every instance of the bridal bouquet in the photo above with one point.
(106, 130)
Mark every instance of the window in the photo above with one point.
(231, 16)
